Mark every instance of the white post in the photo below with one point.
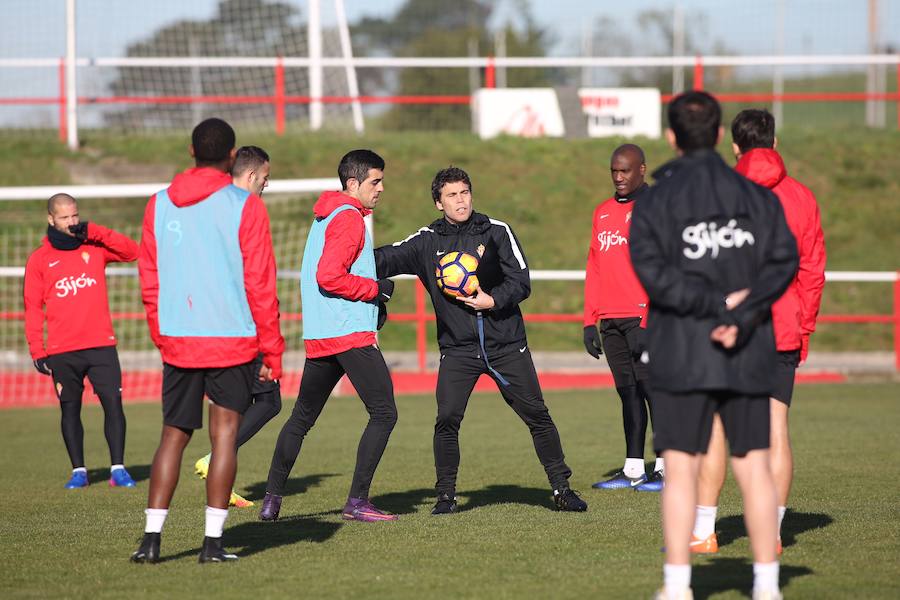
(500, 52)
(778, 73)
(678, 47)
(347, 51)
(314, 42)
(871, 70)
(587, 50)
(71, 88)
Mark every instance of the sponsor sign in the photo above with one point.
(523, 112)
(622, 112)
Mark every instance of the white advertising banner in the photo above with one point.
(622, 112)
(523, 112)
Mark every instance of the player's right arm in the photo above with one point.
(344, 240)
(591, 281)
(34, 306)
(147, 271)
(404, 257)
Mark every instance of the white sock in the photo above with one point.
(155, 519)
(634, 467)
(676, 579)
(115, 467)
(781, 511)
(82, 469)
(705, 523)
(765, 577)
(660, 465)
(215, 521)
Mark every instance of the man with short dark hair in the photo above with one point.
(251, 172)
(340, 296)
(793, 317)
(207, 274)
(713, 251)
(66, 277)
(615, 300)
(479, 334)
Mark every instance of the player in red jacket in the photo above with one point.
(207, 272)
(66, 277)
(614, 298)
(793, 316)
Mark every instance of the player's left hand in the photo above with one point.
(726, 335)
(480, 301)
(265, 373)
(80, 231)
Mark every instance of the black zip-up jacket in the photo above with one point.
(502, 273)
(702, 232)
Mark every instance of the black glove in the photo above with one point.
(382, 315)
(592, 341)
(80, 230)
(42, 367)
(385, 290)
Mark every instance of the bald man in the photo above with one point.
(615, 299)
(66, 279)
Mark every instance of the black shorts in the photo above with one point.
(183, 391)
(621, 342)
(785, 371)
(683, 421)
(99, 365)
(261, 387)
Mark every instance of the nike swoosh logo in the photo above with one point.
(54, 263)
(439, 252)
(523, 349)
(637, 483)
(603, 216)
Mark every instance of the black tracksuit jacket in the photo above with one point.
(502, 273)
(702, 232)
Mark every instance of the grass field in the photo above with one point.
(842, 536)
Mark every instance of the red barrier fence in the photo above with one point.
(279, 100)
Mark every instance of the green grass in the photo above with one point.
(545, 188)
(842, 536)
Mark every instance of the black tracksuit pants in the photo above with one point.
(266, 405)
(370, 376)
(456, 380)
(101, 367)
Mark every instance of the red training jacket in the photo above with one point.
(71, 285)
(611, 289)
(794, 314)
(344, 240)
(190, 187)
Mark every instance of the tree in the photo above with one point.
(244, 28)
(444, 29)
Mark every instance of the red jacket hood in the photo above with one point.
(192, 186)
(763, 166)
(329, 201)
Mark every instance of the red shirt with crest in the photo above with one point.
(68, 288)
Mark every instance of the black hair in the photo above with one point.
(449, 175)
(213, 140)
(753, 128)
(248, 157)
(695, 118)
(356, 164)
(56, 199)
(624, 148)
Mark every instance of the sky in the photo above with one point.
(107, 27)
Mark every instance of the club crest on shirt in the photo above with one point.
(480, 250)
(85, 257)
(628, 216)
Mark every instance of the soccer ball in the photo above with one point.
(456, 274)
